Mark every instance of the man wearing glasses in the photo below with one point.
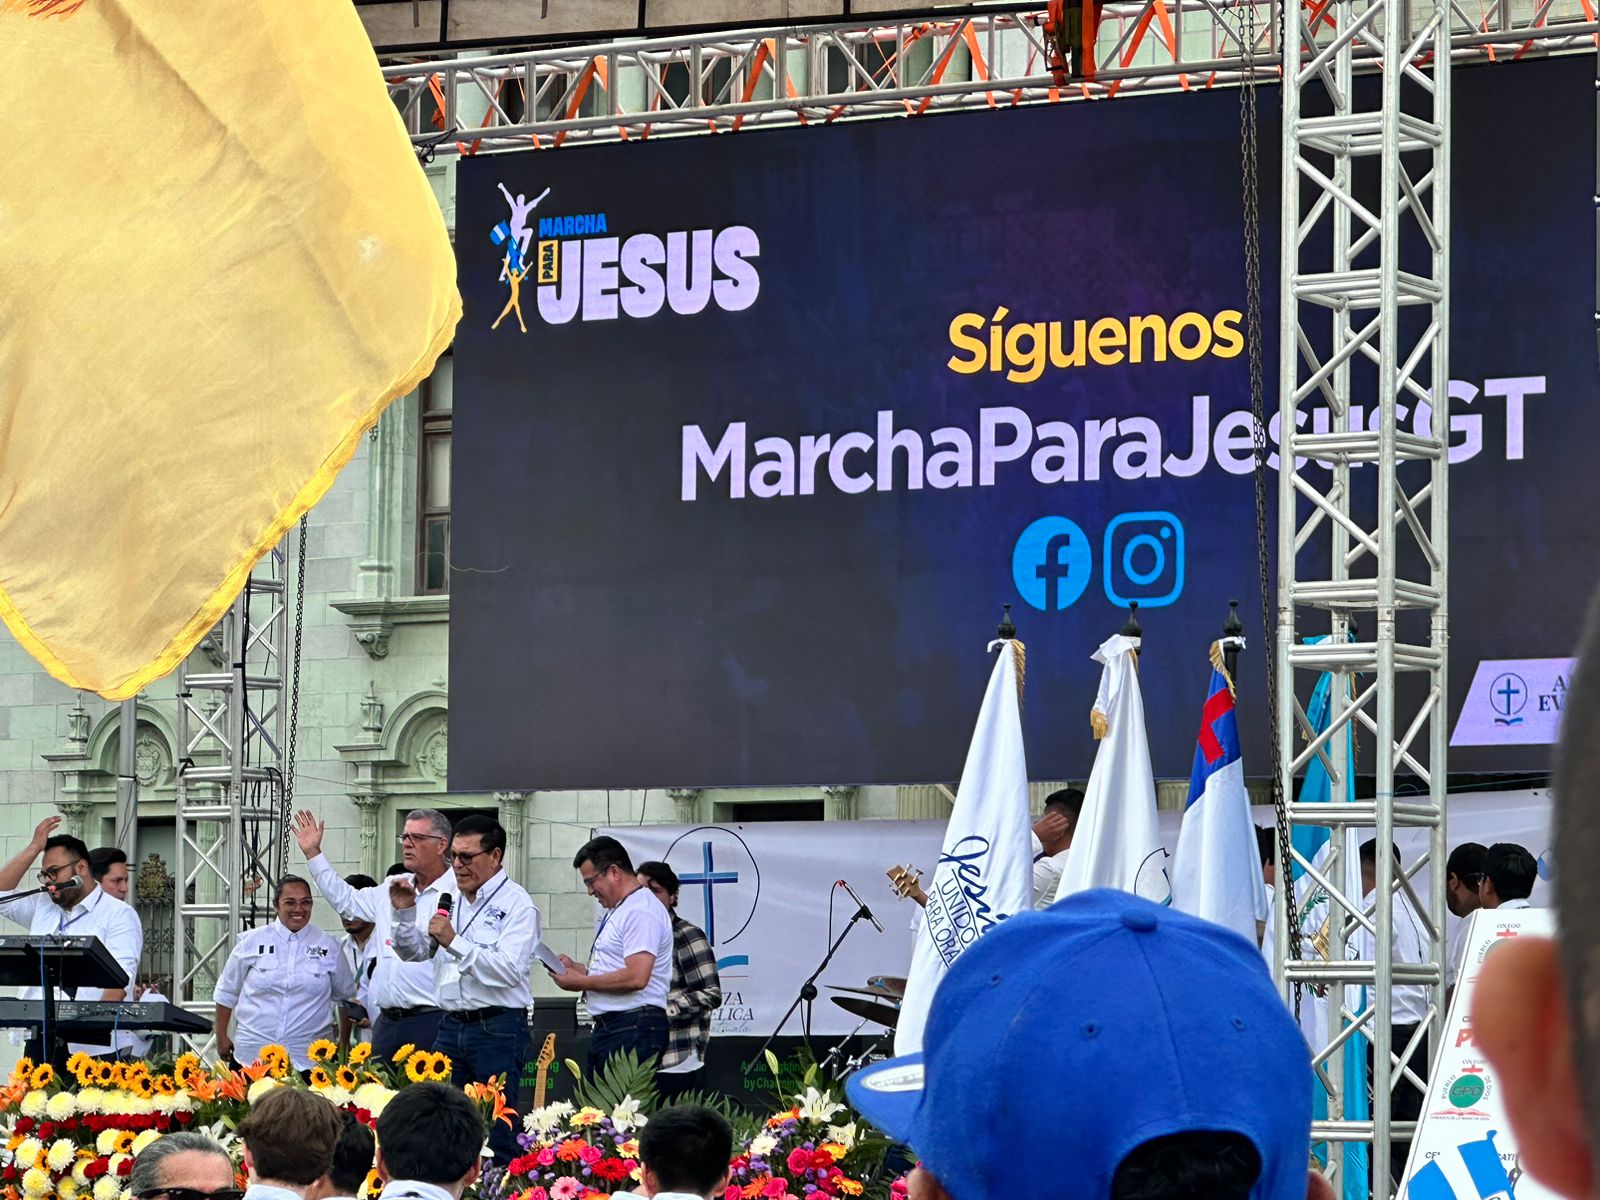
(282, 982)
(70, 902)
(183, 1166)
(407, 1003)
(481, 955)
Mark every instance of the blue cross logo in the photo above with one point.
(709, 878)
(1508, 693)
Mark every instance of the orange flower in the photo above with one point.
(850, 1187)
(570, 1150)
(489, 1094)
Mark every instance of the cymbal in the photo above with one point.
(882, 1014)
(871, 989)
(890, 983)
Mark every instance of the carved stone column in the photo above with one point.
(688, 803)
(370, 805)
(839, 803)
(512, 806)
(73, 813)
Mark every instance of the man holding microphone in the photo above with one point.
(408, 1010)
(481, 949)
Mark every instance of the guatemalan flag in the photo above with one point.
(1216, 872)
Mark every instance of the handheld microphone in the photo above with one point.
(865, 911)
(66, 885)
(445, 901)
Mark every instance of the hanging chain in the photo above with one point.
(286, 805)
(1249, 139)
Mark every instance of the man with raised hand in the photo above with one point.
(408, 1007)
(481, 954)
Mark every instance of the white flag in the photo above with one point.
(985, 870)
(1216, 872)
(1117, 843)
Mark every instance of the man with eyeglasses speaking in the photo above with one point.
(70, 902)
(481, 954)
(403, 992)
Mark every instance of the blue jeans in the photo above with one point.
(389, 1035)
(497, 1045)
(642, 1030)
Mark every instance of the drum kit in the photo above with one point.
(878, 1003)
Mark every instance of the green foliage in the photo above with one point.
(622, 1076)
(745, 1124)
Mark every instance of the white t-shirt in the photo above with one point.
(639, 925)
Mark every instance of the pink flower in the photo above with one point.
(591, 1155)
(775, 1189)
(566, 1188)
(538, 1193)
(799, 1161)
(546, 1157)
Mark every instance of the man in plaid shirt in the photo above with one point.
(695, 993)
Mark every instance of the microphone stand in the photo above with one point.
(808, 990)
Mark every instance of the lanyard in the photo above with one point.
(479, 908)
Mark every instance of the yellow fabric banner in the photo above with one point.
(219, 262)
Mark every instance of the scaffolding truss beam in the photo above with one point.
(725, 82)
(1366, 186)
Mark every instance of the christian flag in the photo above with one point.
(1216, 872)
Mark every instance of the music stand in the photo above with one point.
(56, 961)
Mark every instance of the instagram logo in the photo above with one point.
(1143, 559)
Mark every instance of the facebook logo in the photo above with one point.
(1052, 563)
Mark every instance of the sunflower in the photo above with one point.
(104, 1073)
(440, 1072)
(417, 1068)
(359, 1053)
(186, 1064)
(42, 1076)
(404, 1052)
(165, 1085)
(347, 1079)
(320, 1078)
(373, 1184)
(322, 1050)
(75, 1063)
(276, 1060)
(123, 1142)
(24, 1067)
(142, 1086)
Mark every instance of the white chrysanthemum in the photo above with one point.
(61, 1106)
(105, 1141)
(260, 1088)
(547, 1119)
(67, 1189)
(27, 1154)
(91, 1100)
(143, 1140)
(114, 1167)
(183, 1102)
(336, 1096)
(763, 1144)
(107, 1188)
(33, 1104)
(37, 1182)
(116, 1104)
(59, 1157)
(164, 1105)
(626, 1115)
(373, 1097)
(80, 1171)
(818, 1106)
(844, 1134)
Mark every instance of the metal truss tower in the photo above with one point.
(1362, 513)
(230, 827)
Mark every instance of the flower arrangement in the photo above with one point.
(572, 1153)
(75, 1137)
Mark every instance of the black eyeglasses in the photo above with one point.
(466, 859)
(183, 1193)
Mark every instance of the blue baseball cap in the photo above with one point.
(1064, 1039)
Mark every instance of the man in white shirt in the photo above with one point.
(429, 1139)
(481, 953)
(288, 1137)
(408, 1009)
(71, 903)
(1463, 877)
(1509, 873)
(1052, 839)
(282, 982)
(1408, 1004)
(629, 972)
(360, 949)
